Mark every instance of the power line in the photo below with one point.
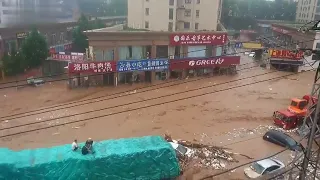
(10, 116)
(153, 105)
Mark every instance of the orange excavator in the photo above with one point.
(293, 116)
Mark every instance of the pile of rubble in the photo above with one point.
(203, 156)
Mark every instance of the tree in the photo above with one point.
(13, 62)
(237, 13)
(34, 49)
(80, 40)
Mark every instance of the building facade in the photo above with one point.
(308, 10)
(15, 12)
(174, 15)
(132, 57)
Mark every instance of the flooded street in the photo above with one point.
(203, 109)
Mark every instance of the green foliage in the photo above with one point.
(237, 12)
(98, 8)
(13, 62)
(33, 52)
(34, 49)
(80, 40)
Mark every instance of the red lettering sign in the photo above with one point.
(92, 67)
(280, 30)
(191, 63)
(198, 39)
(65, 57)
(286, 54)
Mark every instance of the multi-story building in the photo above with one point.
(174, 15)
(308, 10)
(15, 12)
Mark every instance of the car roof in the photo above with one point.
(277, 133)
(267, 163)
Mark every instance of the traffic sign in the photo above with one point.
(238, 45)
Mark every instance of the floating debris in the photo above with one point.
(204, 156)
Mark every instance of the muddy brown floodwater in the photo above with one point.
(235, 118)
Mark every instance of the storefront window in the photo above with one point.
(137, 52)
(108, 55)
(124, 53)
(98, 55)
(196, 51)
(162, 51)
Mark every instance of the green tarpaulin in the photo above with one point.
(145, 158)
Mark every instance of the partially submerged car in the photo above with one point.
(283, 140)
(181, 150)
(263, 167)
(34, 81)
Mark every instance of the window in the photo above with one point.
(187, 13)
(318, 46)
(188, 1)
(196, 26)
(198, 1)
(171, 14)
(147, 11)
(146, 25)
(187, 25)
(171, 2)
(270, 169)
(170, 26)
(197, 13)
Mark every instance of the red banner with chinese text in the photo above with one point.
(92, 67)
(198, 39)
(285, 54)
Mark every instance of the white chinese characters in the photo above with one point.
(97, 67)
(201, 39)
(142, 65)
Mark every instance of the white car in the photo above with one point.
(181, 149)
(263, 167)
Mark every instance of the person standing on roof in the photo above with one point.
(75, 145)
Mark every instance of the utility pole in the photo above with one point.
(311, 121)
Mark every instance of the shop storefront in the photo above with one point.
(148, 70)
(191, 67)
(92, 74)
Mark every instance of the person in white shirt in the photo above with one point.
(75, 145)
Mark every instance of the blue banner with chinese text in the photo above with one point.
(142, 65)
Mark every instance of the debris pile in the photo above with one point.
(201, 155)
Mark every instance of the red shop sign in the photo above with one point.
(65, 57)
(92, 67)
(279, 30)
(286, 54)
(198, 39)
(204, 62)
